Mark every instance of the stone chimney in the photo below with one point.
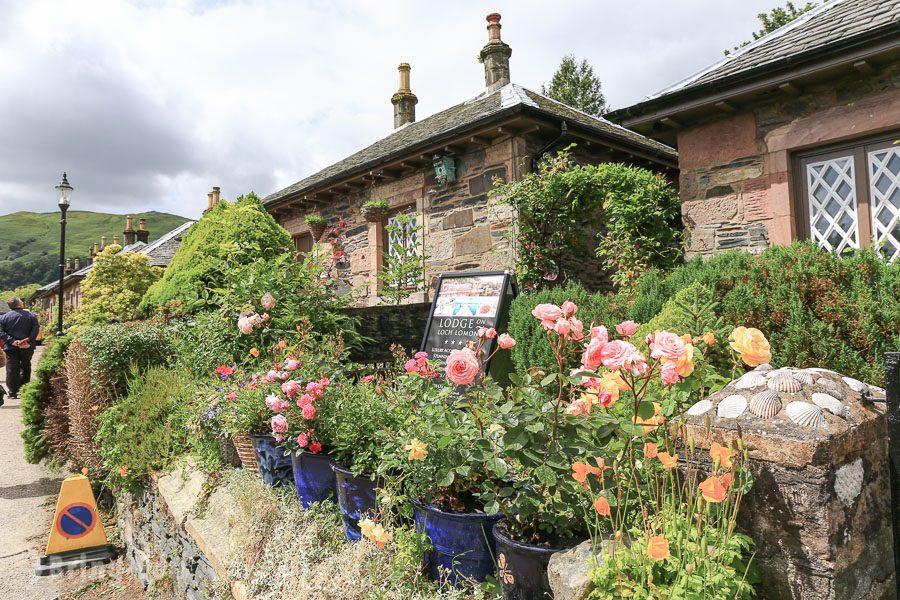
(209, 202)
(404, 100)
(116, 239)
(142, 234)
(77, 264)
(102, 243)
(68, 270)
(129, 235)
(495, 56)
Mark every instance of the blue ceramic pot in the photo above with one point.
(356, 499)
(313, 477)
(523, 567)
(274, 466)
(464, 546)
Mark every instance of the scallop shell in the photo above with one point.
(804, 377)
(785, 382)
(877, 392)
(831, 404)
(856, 385)
(832, 387)
(700, 408)
(763, 368)
(749, 380)
(732, 407)
(805, 414)
(765, 404)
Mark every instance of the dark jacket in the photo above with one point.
(18, 324)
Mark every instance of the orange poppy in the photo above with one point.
(658, 547)
(668, 461)
(650, 450)
(254, 352)
(601, 505)
(721, 454)
(282, 345)
(713, 490)
(726, 480)
(123, 471)
(581, 470)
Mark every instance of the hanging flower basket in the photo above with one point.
(375, 212)
(317, 230)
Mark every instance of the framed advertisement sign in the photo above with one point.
(463, 302)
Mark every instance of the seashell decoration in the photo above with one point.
(750, 380)
(831, 404)
(765, 404)
(856, 385)
(785, 382)
(803, 377)
(700, 408)
(833, 388)
(763, 367)
(732, 407)
(805, 415)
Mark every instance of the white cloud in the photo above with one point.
(147, 105)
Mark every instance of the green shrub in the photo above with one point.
(147, 429)
(114, 349)
(36, 397)
(231, 233)
(532, 349)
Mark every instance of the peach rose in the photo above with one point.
(562, 327)
(599, 332)
(593, 354)
(626, 328)
(547, 314)
(751, 344)
(462, 366)
(667, 346)
(569, 308)
(685, 364)
(669, 374)
(577, 332)
(617, 354)
(506, 341)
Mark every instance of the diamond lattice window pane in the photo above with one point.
(832, 203)
(884, 186)
(403, 240)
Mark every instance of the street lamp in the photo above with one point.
(64, 190)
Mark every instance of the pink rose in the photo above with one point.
(562, 327)
(568, 308)
(315, 447)
(669, 373)
(291, 388)
(304, 400)
(418, 356)
(462, 366)
(487, 333)
(268, 301)
(368, 379)
(547, 314)
(314, 388)
(411, 366)
(582, 406)
(279, 424)
(274, 403)
(599, 332)
(506, 341)
(616, 354)
(577, 333)
(292, 364)
(309, 412)
(638, 364)
(667, 346)
(626, 328)
(245, 325)
(593, 354)
(279, 438)
(303, 440)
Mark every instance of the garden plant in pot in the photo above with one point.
(317, 226)
(447, 459)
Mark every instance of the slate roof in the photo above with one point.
(485, 107)
(833, 25)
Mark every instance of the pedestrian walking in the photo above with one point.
(18, 330)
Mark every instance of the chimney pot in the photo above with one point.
(215, 194)
(77, 264)
(116, 239)
(129, 235)
(68, 270)
(209, 202)
(495, 56)
(142, 234)
(404, 100)
(102, 242)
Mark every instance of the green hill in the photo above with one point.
(29, 242)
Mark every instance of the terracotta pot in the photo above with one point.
(244, 446)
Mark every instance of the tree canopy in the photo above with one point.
(113, 289)
(775, 19)
(575, 84)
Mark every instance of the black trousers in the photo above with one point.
(18, 368)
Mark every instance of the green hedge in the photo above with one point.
(36, 396)
(114, 349)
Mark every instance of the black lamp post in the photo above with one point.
(64, 190)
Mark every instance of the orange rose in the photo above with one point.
(685, 363)
(601, 505)
(720, 454)
(658, 547)
(751, 344)
(653, 422)
(709, 338)
(713, 490)
(281, 345)
(668, 461)
(686, 338)
(650, 450)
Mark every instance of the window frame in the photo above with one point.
(411, 209)
(859, 149)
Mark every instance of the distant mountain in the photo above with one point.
(29, 242)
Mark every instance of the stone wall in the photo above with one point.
(736, 169)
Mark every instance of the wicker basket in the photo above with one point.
(244, 446)
(227, 451)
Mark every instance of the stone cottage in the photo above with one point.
(439, 170)
(791, 137)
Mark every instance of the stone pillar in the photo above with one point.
(495, 56)
(377, 247)
(142, 234)
(129, 235)
(404, 100)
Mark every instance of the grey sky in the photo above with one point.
(149, 104)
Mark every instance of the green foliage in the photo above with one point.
(575, 84)
(29, 250)
(404, 267)
(315, 220)
(147, 429)
(382, 204)
(232, 233)
(23, 291)
(531, 349)
(36, 397)
(113, 289)
(563, 205)
(775, 19)
(117, 348)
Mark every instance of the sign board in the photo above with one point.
(463, 302)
